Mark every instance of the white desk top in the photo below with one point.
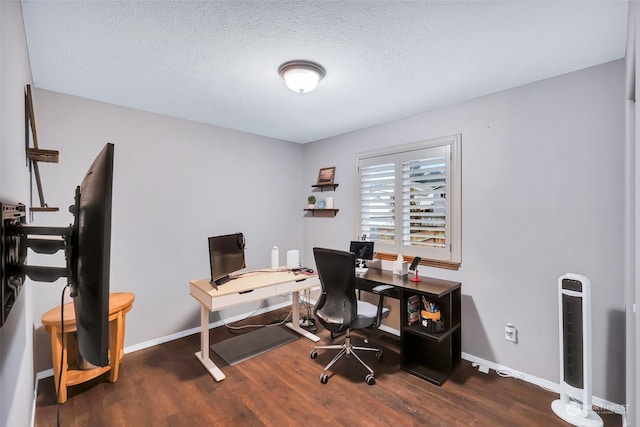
(246, 282)
(248, 287)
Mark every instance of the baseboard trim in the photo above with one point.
(152, 343)
(389, 330)
(545, 384)
(182, 334)
(161, 340)
(540, 382)
(39, 375)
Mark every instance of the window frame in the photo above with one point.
(449, 258)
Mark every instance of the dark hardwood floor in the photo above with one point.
(166, 386)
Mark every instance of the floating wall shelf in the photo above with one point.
(323, 186)
(330, 212)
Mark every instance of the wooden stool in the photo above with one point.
(119, 304)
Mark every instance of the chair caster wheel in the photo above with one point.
(370, 380)
(324, 378)
(379, 355)
(313, 354)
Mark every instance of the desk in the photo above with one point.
(119, 304)
(430, 356)
(246, 288)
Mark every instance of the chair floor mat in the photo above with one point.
(242, 347)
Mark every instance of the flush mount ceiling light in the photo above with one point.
(301, 76)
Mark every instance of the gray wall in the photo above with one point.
(16, 347)
(542, 195)
(176, 182)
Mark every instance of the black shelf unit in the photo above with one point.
(428, 355)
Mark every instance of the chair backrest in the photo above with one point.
(337, 306)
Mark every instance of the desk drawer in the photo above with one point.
(287, 288)
(235, 299)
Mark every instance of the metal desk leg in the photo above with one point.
(295, 319)
(203, 354)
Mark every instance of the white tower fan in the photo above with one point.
(574, 405)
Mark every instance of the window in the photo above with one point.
(408, 200)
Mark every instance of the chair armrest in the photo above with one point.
(381, 291)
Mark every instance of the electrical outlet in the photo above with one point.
(510, 333)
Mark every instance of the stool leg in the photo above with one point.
(59, 350)
(113, 352)
(116, 344)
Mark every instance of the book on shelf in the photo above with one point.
(413, 309)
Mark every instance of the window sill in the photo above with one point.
(437, 263)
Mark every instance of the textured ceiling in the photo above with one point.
(216, 62)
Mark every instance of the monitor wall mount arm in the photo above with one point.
(35, 154)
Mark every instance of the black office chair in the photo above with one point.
(338, 309)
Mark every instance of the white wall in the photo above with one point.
(632, 236)
(542, 195)
(16, 349)
(176, 182)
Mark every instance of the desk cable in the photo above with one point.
(308, 320)
(256, 311)
(304, 302)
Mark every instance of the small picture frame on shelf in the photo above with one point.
(325, 176)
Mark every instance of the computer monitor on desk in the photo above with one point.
(226, 255)
(363, 252)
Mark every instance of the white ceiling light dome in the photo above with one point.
(301, 76)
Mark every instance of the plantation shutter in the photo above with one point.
(408, 201)
(377, 184)
(425, 205)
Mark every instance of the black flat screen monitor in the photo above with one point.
(87, 246)
(226, 255)
(362, 250)
(90, 258)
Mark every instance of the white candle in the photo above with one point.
(329, 203)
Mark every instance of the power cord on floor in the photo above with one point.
(507, 374)
(500, 372)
